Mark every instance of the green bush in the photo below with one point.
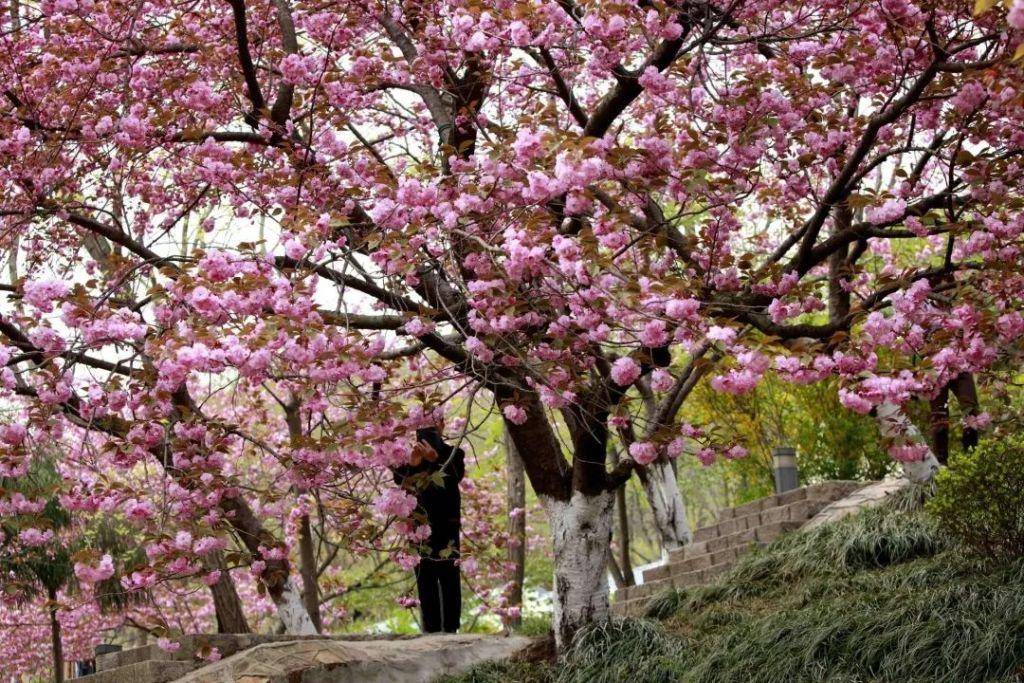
(979, 498)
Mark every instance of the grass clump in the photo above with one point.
(633, 650)
(886, 595)
(883, 596)
(503, 672)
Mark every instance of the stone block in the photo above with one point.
(688, 579)
(656, 573)
(687, 551)
(692, 564)
(774, 515)
(149, 671)
(731, 526)
(792, 496)
(729, 555)
(769, 532)
(740, 538)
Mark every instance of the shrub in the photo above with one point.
(634, 650)
(979, 498)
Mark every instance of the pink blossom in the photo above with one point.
(34, 538)
(735, 452)
(101, 572)
(168, 645)
(681, 308)
(908, 452)
(209, 544)
(514, 414)
(891, 210)
(722, 334)
(13, 434)
(979, 421)
(519, 33)
(661, 380)
(644, 452)
(1015, 17)
(625, 371)
(395, 502)
(855, 402)
(42, 293)
(654, 334)
(479, 349)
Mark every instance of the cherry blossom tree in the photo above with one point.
(290, 233)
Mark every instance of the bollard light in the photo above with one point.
(784, 463)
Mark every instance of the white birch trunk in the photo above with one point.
(666, 501)
(896, 426)
(581, 536)
(292, 611)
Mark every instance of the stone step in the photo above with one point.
(701, 577)
(799, 510)
(630, 608)
(724, 548)
(149, 671)
(694, 549)
(829, 491)
(718, 547)
(736, 533)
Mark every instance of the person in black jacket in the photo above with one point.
(433, 475)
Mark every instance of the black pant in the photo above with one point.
(437, 581)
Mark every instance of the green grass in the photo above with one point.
(883, 596)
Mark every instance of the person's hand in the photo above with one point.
(422, 451)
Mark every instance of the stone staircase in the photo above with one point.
(718, 547)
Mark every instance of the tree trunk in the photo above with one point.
(939, 424)
(666, 500)
(581, 535)
(55, 638)
(308, 570)
(292, 611)
(226, 603)
(276, 575)
(966, 392)
(897, 428)
(625, 562)
(516, 501)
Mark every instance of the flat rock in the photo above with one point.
(417, 660)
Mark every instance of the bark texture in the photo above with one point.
(666, 500)
(292, 611)
(516, 500)
(227, 605)
(581, 535)
(308, 571)
(897, 427)
(56, 643)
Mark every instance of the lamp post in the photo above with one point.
(787, 477)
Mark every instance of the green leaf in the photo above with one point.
(982, 6)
